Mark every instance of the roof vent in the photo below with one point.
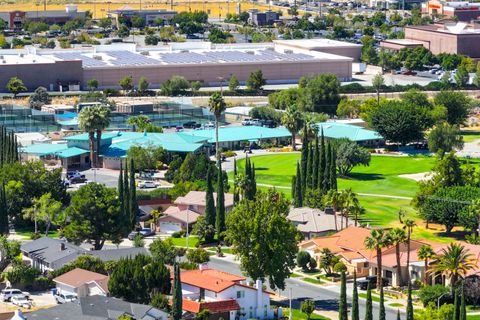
(270, 48)
(97, 57)
(145, 53)
(21, 55)
(183, 51)
(250, 52)
(287, 51)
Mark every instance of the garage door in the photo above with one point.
(169, 227)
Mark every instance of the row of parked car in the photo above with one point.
(259, 122)
(17, 297)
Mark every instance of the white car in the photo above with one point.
(8, 294)
(64, 298)
(21, 301)
(147, 184)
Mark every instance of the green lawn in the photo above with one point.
(475, 317)
(374, 298)
(469, 136)
(311, 280)
(298, 315)
(28, 233)
(182, 242)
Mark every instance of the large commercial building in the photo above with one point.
(16, 19)
(150, 16)
(458, 38)
(461, 10)
(70, 69)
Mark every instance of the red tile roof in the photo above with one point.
(212, 306)
(210, 279)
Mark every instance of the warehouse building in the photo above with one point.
(448, 37)
(60, 70)
(461, 10)
(341, 48)
(150, 16)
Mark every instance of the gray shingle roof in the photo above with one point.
(97, 308)
(117, 254)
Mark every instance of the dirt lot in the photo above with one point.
(39, 300)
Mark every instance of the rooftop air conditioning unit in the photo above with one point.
(1, 57)
(288, 51)
(183, 51)
(270, 48)
(4, 61)
(250, 52)
(97, 57)
(21, 55)
(145, 53)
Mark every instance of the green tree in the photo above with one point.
(94, 215)
(39, 98)
(409, 302)
(163, 250)
(349, 108)
(445, 138)
(210, 211)
(177, 294)
(382, 315)
(44, 209)
(307, 307)
(355, 309)
(138, 279)
(15, 86)
(397, 237)
(463, 306)
(255, 81)
(476, 79)
(126, 83)
(93, 120)
(377, 83)
(263, 239)
(4, 228)
(303, 259)
(143, 85)
(198, 255)
(454, 263)
(462, 77)
(343, 306)
(431, 294)
(321, 94)
(369, 54)
(220, 207)
(425, 253)
(292, 119)
(175, 86)
(148, 157)
(349, 155)
(233, 83)
(457, 103)
(92, 84)
(369, 307)
(203, 230)
(298, 195)
(377, 241)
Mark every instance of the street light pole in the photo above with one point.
(290, 303)
(438, 300)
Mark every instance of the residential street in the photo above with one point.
(325, 297)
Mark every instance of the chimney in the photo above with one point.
(62, 246)
(259, 286)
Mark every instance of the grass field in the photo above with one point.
(298, 315)
(378, 185)
(470, 136)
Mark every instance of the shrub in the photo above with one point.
(198, 255)
(179, 234)
(229, 154)
(353, 87)
(303, 259)
(429, 294)
(340, 267)
(188, 265)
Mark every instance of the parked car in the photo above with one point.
(147, 184)
(146, 232)
(75, 180)
(64, 298)
(209, 125)
(21, 301)
(247, 122)
(74, 174)
(7, 294)
(363, 284)
(190, 124)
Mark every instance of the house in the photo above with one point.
(348, 244)
(174, 219)
(315, 222)
(224, 294)
(47, 254)
(82, 283)
(195, 201)
(97, 308)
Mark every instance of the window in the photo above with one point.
(240, 294)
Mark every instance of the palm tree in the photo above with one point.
(94, 119)
(425, 253)
(409, 224)
(350, 202)
(293, 121)
(398, 237)
(241, 183)
(217, 105)
(333, 199)
(377, 241)
(454, 262)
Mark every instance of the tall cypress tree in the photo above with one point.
(3, 211)
(463, 307)
(294, 184)
(121, 200)
(126, 199)
(382, 315)
(133, 195)
(177, 294)
(343, 307)
(309, 184)
(210, 213)
(333, 169)
(304, 159)
(236, 195)
(220, 208)
(409, 303)
(456, 305)
(327, 171)
(8, 147)
(298, 201)
(355, 310)
(321, 165)
(253, 182)
(316, 154)
(369, 307)
(398, 315)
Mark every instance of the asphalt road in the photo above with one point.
(326, 298)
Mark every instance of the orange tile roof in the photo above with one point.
(212, 306)
(210, 279)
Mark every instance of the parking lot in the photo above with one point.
(38, 300)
